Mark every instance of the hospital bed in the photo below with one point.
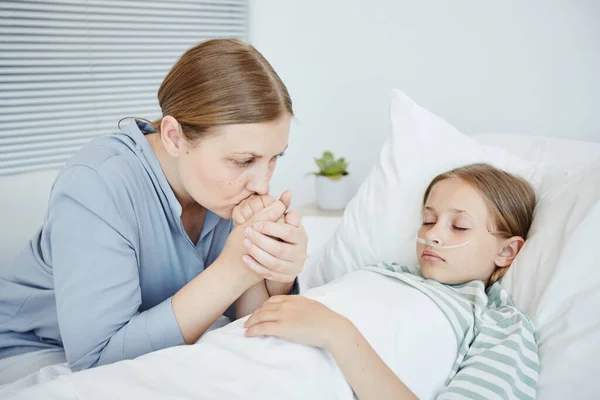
(554, 383)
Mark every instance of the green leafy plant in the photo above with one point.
(331, 167)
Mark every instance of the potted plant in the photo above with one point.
(332, 182)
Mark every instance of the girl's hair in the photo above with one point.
(221, 82)
(509, 198)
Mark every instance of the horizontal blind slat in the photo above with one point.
(19, 42)
(21, 112)
(67, 93)
(51, 80)
(79, 85)
(93, 26)
(102, 32)
(25, 169)
(102, 57)
(83, 50)
(47, 146)
(33, 160)
(9, 127)
(60, 134)
(9, 121)
(14, 155)
(155, 18)
(172, 8)
(136, 4)
(83, 68)
(84, 99)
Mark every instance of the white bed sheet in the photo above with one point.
(227, 365)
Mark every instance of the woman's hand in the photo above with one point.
(298, 319)
(234, 250)
(276, 251)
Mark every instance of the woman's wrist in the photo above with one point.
(238, 272)
(279, 288)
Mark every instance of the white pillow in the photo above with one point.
(381, 221)
(555, 278)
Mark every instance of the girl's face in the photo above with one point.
(454, 214)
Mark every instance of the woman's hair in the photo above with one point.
(509, 198)
(221, 82)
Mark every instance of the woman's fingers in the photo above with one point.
(256, 267)
(278, 249)
(293, 218)
(286, 232)
(266, 273)
(272, 263)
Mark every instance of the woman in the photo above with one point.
(120, 267)
(444, 330)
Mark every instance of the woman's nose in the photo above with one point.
(259, 182)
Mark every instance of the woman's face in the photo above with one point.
(455, 213)
(226, 167)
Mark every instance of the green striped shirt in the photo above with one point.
(497, 345)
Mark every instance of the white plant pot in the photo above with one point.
(333, 195)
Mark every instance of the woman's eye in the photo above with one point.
(277, 157)
(458, 228)
(243, 163)
(425, 223)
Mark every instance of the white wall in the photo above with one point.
(505, 66)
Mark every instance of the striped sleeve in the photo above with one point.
(501, 363)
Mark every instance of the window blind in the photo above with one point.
(70, 69)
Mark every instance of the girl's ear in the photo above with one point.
(508, 251)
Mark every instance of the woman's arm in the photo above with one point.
(97, 284)
(281, 253)
(309, 322)
(199, 303)
(226, 281)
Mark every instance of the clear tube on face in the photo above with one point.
(439, 246)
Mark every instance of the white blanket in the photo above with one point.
(404, 326)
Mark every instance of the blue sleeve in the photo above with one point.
(96, 279)
(295, 288)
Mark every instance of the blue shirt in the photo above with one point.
(98, 277)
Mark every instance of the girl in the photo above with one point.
(475, 221)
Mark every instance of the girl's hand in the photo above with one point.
(297, 319)
(244, 211)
